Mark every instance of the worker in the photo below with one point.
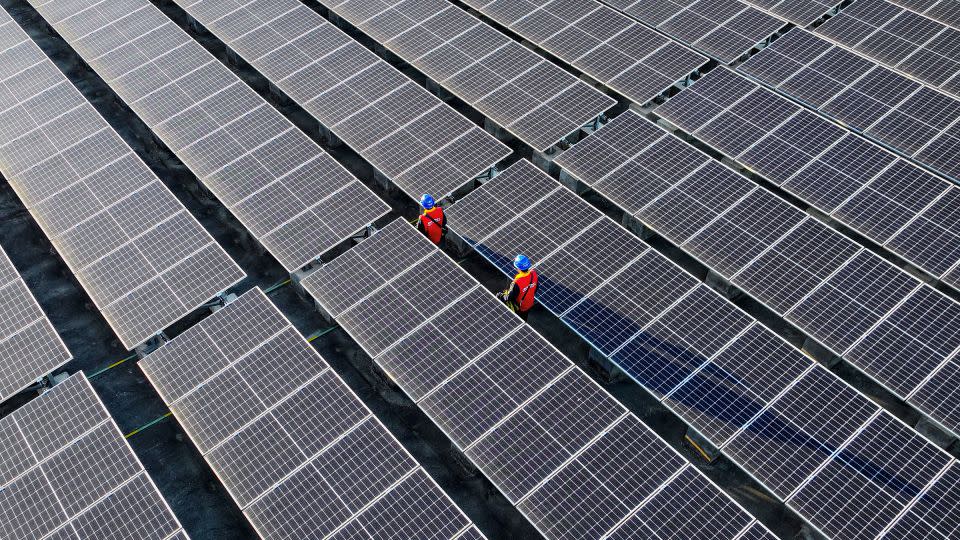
(520, 295)
(433, 222)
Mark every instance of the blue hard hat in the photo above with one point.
(521, 262)
(427, 202)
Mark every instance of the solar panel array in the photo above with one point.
(721, 29)
(816, 443)
(399, 127)
(570, 457)
(945, 11)
(901, 334)
(295, 447)
(901, 39)
(287, 191)
(613, 49)
(29, 346)
(895, 203)
(799, 12)
(88, 191)
(906, 116)
(67, 473)
(531, 98)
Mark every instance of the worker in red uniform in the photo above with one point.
(523, 288)
(432, 221)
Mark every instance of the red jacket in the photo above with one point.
(433, 223)
(523, 290)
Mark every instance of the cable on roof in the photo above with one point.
(111, 366)
(277, 285)
(320, 333)
(153, 422)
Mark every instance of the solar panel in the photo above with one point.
(67, 472)
(404, 131)
(722, 29)
(571, 458)
(935, 513)
(296, 449)
(895, 37)
(944, 11)
(87, 190)
(799, 12)
(786, 420)
(616, 51)
(952, 277)
(687, 486)
(285, 189)
(30, 348)
(887, 199)
(528, 96)
(847, 298)
(892, 109)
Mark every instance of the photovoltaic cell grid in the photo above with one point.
(613, 49)
(571, 458)
(945, 11)
(901, 334)
(799, 12)
(29, 346)
(295, 447)
(530, 97)
(412, 137)
(816, 443)
(900, 39)
(287, 191)
(893, 202)
(67, 473)
(721, 29)
(140, 255)
(910, 118)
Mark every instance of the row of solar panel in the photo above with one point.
(911, 118)
(30, 348)
(889, 200)
(295, 447)
(944, 11)
(805, 13)
(570, 457)
(88, 191)
(284, 188)
(902, 34)
(917, 37)
(816, 443)
(533, 99)
(722, 29)
(398, 126)
(901, 39)
(66, 473)
(627, 57)
(882, 320)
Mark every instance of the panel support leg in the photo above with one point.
(151, 345)
(487, 175)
